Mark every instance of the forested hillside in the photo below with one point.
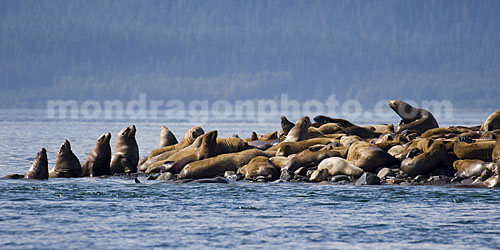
(366, 50)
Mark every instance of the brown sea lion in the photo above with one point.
(340, 166)
(167, 138)
(368, 156)
(468, 168)
(441, 132)
(279, 161)
(67, 164)
(429, 155)
(308, 159)
(189, 137)
(260, 166)
(325, 119)
(348, 140)
(218, 165)
(496, 151)
(412, 118)
(286, 126)
(330, 128)
(299, 131)
(478, 150)
(492, 122)
(126, 153)
(98, 160)
(39, 170)
(288, 148)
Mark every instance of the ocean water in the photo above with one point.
(116, 213)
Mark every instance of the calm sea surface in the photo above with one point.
(116, 213)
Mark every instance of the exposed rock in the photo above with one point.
(368, 179)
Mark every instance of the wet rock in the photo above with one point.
(261, 179)
(384, 172)
(393, 180)
(338, 178)
(286, 175)
(467, 181)
(319, 175)
(300, 178)
(368, 179)
(433, 179)
(309, 172)
(301, 171)
(343, 182)
(402, 175)
(165, 176)
(419, 178)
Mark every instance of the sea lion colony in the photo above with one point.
(414, 152)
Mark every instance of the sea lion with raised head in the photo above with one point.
(492, 122)
(98, 160)
(325, 119)
(67, 164)
(412, 118)
(299, 130)
(167, 138)
(126, 153)
(39, 170)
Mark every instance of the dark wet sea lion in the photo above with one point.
(286, 125)
(260, 166)
(478, 150)
(126, 153)
(167, 138)
(98, 160)
(299, 130)
(340, 166)
(39, 170)
(262, 145)
(67, 164)
(326, 119)
(218, 165)
(431, 155)
(492, 122)
(368, 156)
(412, 118)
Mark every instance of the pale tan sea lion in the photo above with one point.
(340, 166)
(67, 164)
(288, 148)
(412, 118)
(39, 170)
(98, 160)
(468, 168)
(492, 122)
(308, 159)
(126, 153)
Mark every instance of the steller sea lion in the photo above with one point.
(492, 122)
(189, 137)
(412, 118)
(340, 166)
(325, 119)
(39, 170)
(98, 160)
(67, 164)
(368, 156)
(478, 150)
(219, 164)
(441, 132)
(167, 138)
(288, 148)
(468, 168)
(299, 130)
(260, 166)
(425, 158)
(308, 159)
(126, 154)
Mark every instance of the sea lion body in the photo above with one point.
(167, 138)
(98, 160)
(492, 122)
(308, 159)
(340, 166)
(260, 166)
(478, 150)
(412, 118)
(299, 130)
(189, 137)
(468, 168)
(368, 156)
(430, 154)
(67, 164)
(126, 153)
(495, 156)
(39, 170)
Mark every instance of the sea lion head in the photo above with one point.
(407, 112)
(104, 138)
(128, 132)
(64, 148)
(39, 169)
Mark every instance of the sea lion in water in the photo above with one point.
(260, 166)
(126, 153)
(299, 130)
(412, 118)
(425, 158)
(98, 160)
(492, 122)
(218, 165)
(39, 170)
(67, 164)
(368, 156)
(340, 166)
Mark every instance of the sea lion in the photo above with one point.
(368, 156)
(98, 160)
(189, 137)
(468, 168)
(496, 151)
(262, 145)
(442, 132)
(348, 140)
(330, 128)
(425, 158)
(286, 125)
(279, 161)
(260, 166)
(167, 138)
(340, 166)
(478, 150)
(308, 159)
(492, 122)
(288, 148)
(325, 119)
(67, 164)
(412, 118)
(126, 153)
(219, 164)
(39, 170)
(299, 130)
